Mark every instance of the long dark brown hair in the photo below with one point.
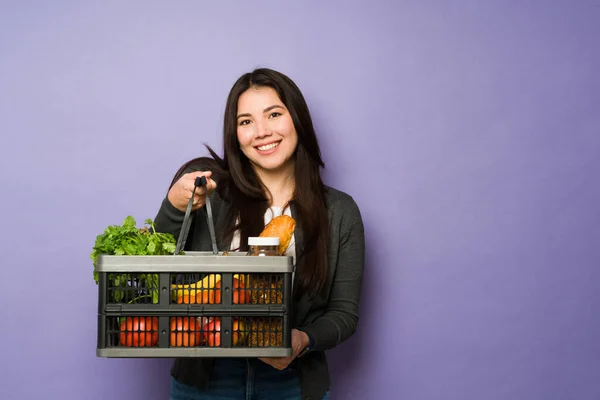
(239, 185)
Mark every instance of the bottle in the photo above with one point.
(263, 246)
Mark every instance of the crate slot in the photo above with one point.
(189, 332)
(265, 332)
(194, 332)
(132, 288)
(265, 288)
(190, 288)
(140, 331)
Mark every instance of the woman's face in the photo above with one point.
(265, 130)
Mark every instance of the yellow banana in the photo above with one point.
(241, 278)
(208, 282)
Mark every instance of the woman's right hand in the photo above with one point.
(181, 191)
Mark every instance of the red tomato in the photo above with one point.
(139, 332)
(185, 331)
(212, 332)
(237, 298)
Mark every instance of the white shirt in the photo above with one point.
(271, 213)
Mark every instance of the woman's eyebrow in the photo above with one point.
(271, 108)
(264, 111)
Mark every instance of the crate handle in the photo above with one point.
(211, 224)
(185, 227)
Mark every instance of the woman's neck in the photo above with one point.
(281, 185)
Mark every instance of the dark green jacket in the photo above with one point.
(328, 320)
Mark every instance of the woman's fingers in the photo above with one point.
(188, 183)
(191, 181)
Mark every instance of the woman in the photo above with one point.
(271, 165)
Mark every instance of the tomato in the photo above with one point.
(139, 332)
(185, 331)
(212, 331)
(244, 298)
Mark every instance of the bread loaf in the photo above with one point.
(282, 227)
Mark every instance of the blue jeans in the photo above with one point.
(243, 379)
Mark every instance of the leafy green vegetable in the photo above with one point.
(127, 239)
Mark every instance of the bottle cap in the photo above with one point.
(263, 241)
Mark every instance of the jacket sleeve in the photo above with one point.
(340, 319)
(169, 219)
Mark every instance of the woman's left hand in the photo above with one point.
(299, 342)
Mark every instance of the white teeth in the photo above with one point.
(268, 146)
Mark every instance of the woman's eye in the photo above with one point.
(245, 122)
(275, 114)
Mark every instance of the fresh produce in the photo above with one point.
(266, 332)
(127, 239)
(239, 332)
(212, 332)
(263, 292)
(185, 332)
(208, 291)
(240, 294)
(200, 292)
(261, 289)
(139, 332)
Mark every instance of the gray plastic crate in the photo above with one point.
(196, 304)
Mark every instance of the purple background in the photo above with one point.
(468, 132)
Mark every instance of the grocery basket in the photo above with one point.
(194, 304)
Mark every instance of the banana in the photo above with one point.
(188, 293)
(241, 279)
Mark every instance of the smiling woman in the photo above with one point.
(271, 167)
(268, 138)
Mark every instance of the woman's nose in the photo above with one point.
(262, 130)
